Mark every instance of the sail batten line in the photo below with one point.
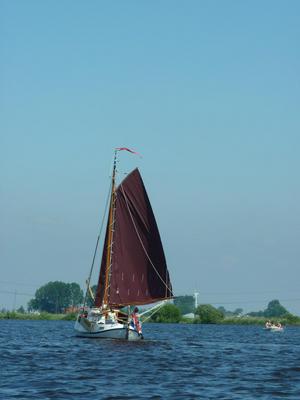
(141, 242)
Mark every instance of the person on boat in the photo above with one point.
(135, 322)
(111, 316)
(268, 325)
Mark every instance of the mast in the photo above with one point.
(111, 223)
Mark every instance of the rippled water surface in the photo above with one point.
(44, 360)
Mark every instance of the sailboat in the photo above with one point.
(133, 269)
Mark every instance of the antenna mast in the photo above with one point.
(196, 299)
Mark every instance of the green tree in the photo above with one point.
(222, 310)
(208, 314)
(75, 293)
(168, 313)
(256, 314)
(275, 309)
(227, 313)
(238, 311)
(186, 304)
(292, 319)
(32, 305)
(54, 297)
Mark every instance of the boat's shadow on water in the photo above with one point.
(127, 345)
(124, 342)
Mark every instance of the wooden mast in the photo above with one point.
(110, 233)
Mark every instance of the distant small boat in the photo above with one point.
(133, 267)
(274, 328)
(277, 328)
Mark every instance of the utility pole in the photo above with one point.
(196, 299)
(15, 300)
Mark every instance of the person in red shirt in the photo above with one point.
(135, 322)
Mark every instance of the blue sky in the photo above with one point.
(207, 92)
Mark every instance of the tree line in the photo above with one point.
(207, 314)
(57, 297)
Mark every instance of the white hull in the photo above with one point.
(274, 329)
(96, 329)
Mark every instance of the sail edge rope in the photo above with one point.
(96, 248)
(142, 244)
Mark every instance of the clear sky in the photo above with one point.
(207, 91)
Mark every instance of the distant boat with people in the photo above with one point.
(274, 327)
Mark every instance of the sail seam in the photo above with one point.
(141, 242)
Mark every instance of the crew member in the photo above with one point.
(135, 322)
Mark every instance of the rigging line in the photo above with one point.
(141, 242)
(97, 243)
(248, 293)
(109, 269)
(17, 283)
(248, 301)
(17, 293)
(154, 311)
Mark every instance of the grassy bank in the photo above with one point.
(228, 321)
(285, 320)
(295, 321)
(246, 320)
(42, 316)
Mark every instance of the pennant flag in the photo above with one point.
(130, 151)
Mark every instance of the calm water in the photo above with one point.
(43, 360)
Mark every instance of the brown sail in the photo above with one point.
(138, 273)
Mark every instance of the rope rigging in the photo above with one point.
(96, 247)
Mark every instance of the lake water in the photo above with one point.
(44, 360)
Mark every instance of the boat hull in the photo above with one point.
(274, 329)
(84, 328)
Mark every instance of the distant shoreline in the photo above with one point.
(72, 317)
(43, 316)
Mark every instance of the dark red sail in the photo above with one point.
(139, 273)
